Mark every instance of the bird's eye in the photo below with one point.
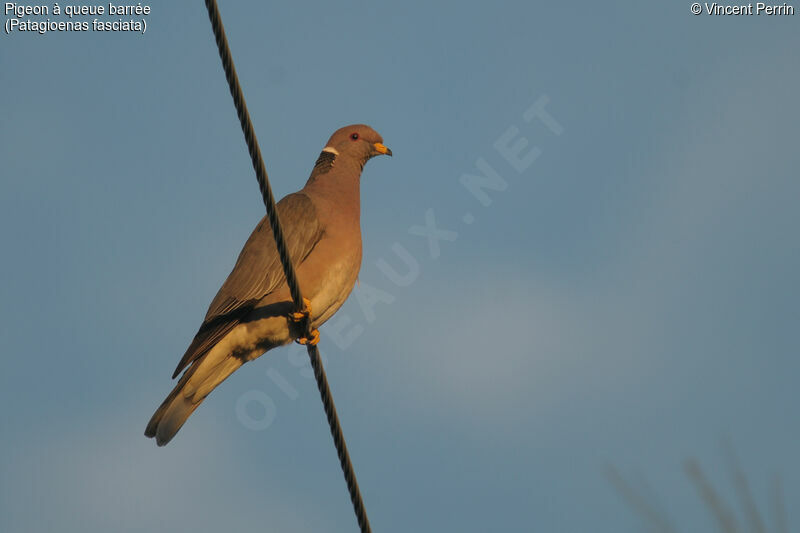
(354, 136)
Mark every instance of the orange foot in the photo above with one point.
(300, 316)
(312, 341)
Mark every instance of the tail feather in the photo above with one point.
(193, 387)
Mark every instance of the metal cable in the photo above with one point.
(288, 269)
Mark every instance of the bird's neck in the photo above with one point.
(339, 188)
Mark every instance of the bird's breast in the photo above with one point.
(328, 275)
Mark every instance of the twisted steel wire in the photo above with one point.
(288, 269)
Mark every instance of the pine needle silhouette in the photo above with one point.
(644, 503)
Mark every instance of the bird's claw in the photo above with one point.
(299, 316)
(312, 341)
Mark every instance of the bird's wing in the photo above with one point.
(257, 272)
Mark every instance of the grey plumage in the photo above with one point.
(249, 314)
(257, 272)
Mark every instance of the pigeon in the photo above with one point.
(253, 311)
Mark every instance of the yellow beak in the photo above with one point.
(381, 149)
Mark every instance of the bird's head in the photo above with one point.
(357, 143)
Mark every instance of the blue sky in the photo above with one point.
(625, 300)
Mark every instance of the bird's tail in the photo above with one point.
(195, 384)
